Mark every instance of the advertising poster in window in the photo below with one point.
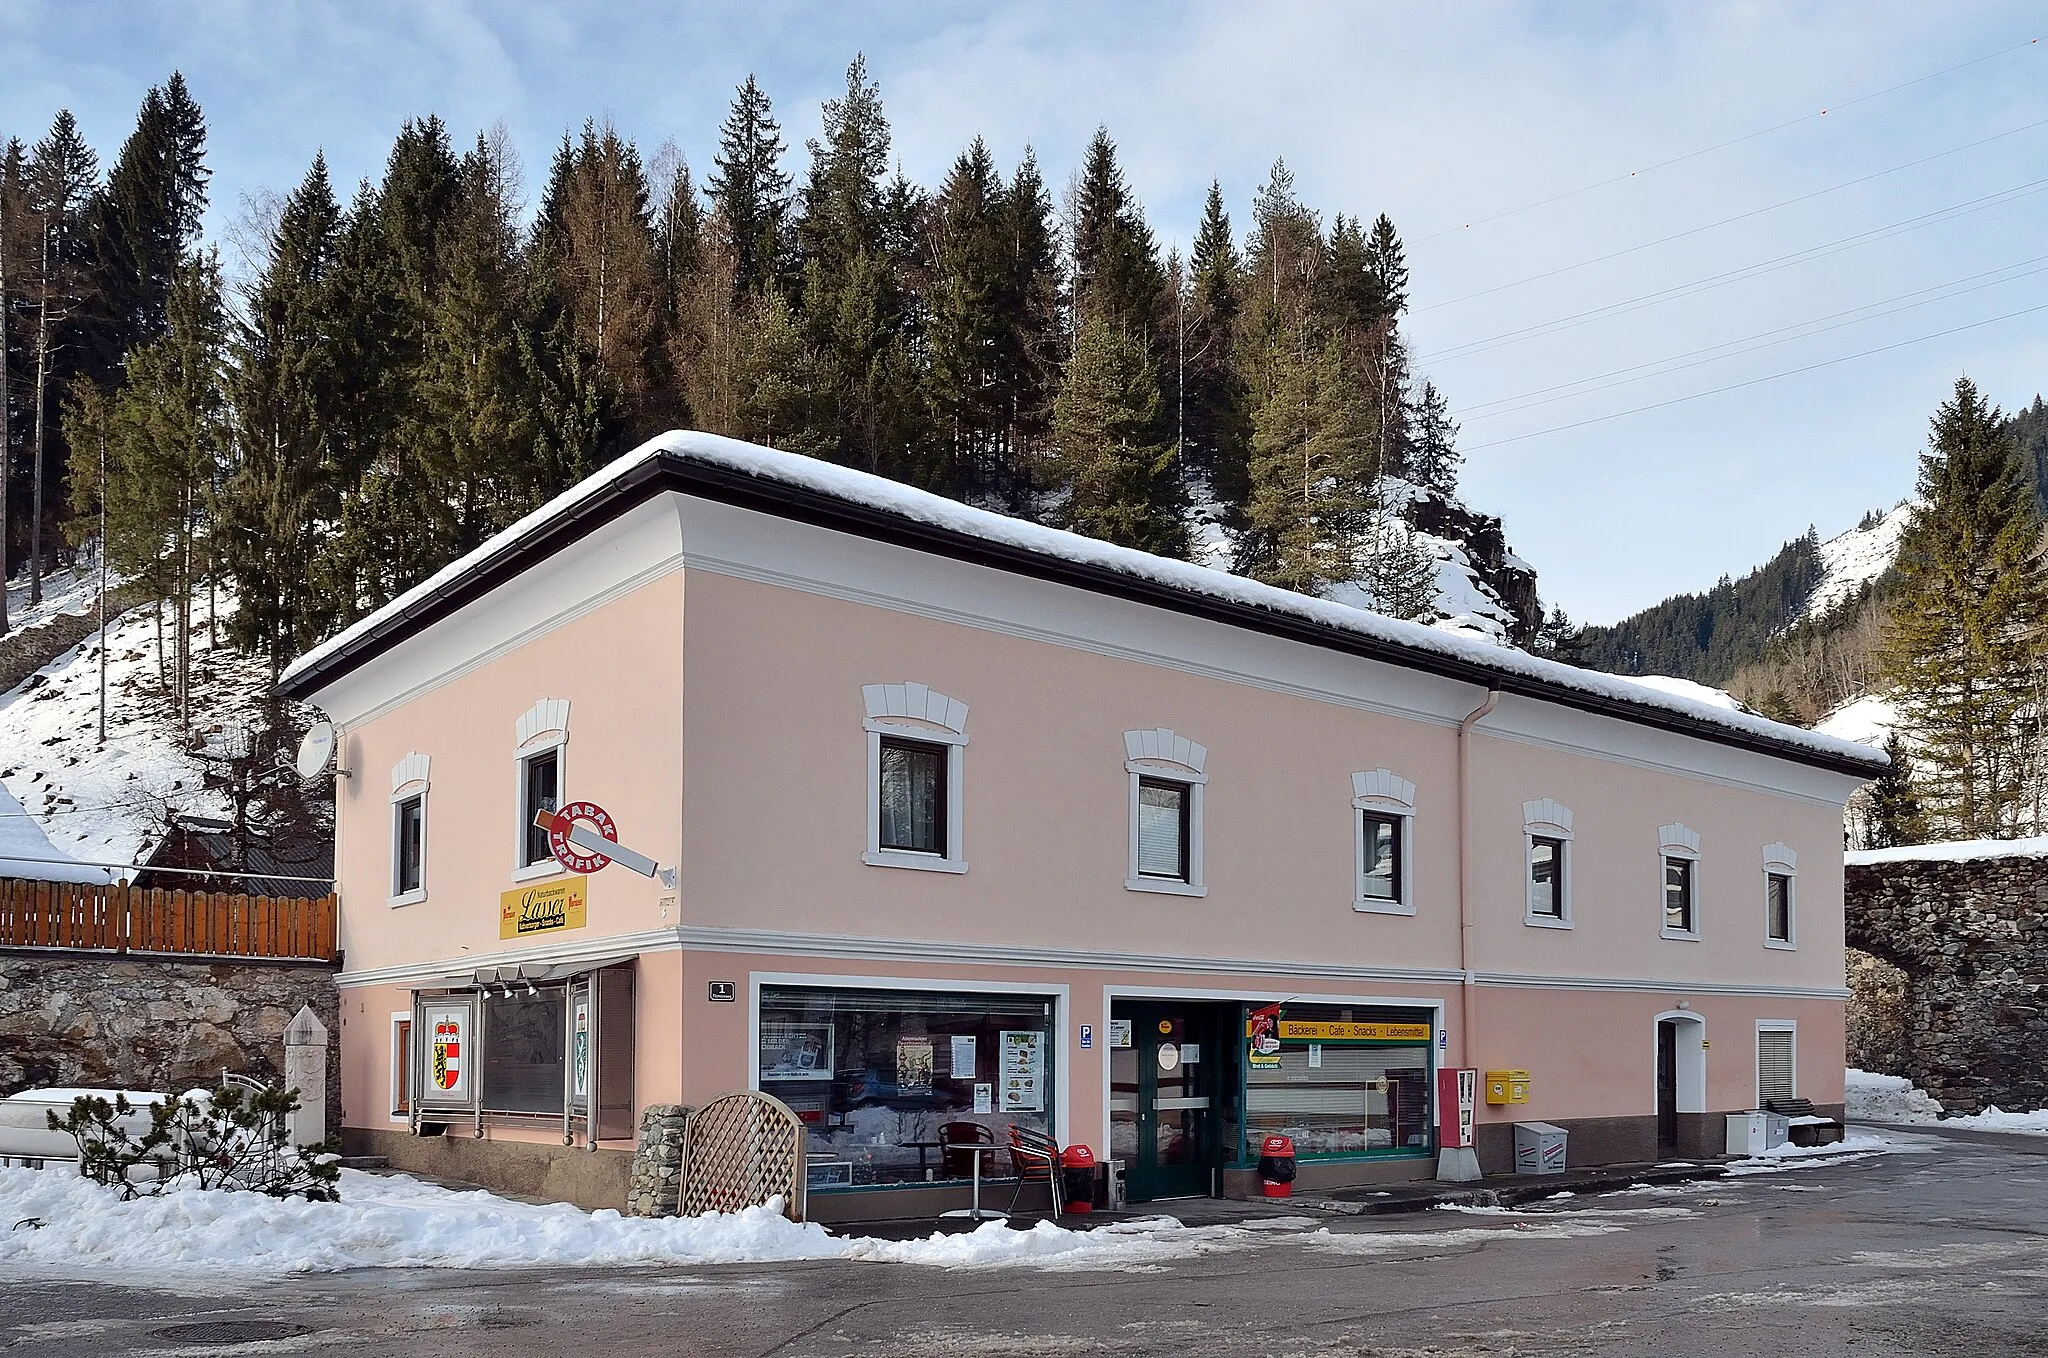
(1022, 1071)
(579, 1050)
(963, 1057)
(914, 1066)
(796, 1051)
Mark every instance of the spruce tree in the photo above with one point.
(1117, 276)
(751, 191)
(1891, 811)
(60, 177)
(605, 265)
(1433, 460)
(13, 259)
(1031, 342)
(1216, 432)
(1396, 570)
(1107, 455)
(1965, 645)
(1310, 508)
(968, 313)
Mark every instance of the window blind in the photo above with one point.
(1159, 829)
(1774, 1065)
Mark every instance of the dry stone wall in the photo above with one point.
(1971, 937)
(132, 1022)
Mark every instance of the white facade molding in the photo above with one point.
(1162, 746)
(1680, 840)
(1548, 817)
(547, 718)
(1382, 790)
(408, 771)
(1781, 858)
(915, 702)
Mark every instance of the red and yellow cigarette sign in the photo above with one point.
(544, 907)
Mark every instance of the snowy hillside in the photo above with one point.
(110, 805)
(1853, 559)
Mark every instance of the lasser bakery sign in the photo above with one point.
(544, 907)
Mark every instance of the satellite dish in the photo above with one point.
(316, 749)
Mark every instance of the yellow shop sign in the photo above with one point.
(1306, 1031)
(544, 907)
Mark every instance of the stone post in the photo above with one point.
(654, 1181)
(305, 1069)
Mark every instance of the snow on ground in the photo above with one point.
(64, 591)
(1955, 851)
(1868, 720)
(392, 1221)
(1892, 1098)
(25, 851)
(109, 805)
(1853, 559)
(1859, 1144)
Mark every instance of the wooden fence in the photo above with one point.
(152, 920)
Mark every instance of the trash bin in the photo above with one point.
(1115, 1198)
(1757, 1132)
(1077, 1176)
(1539, 1148)
(1276, 1167)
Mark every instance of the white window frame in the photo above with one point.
(1756, 1055)
(1681, 842)
(1547, 819)
(1781, 860)
(1382, 792)
(409, 779)
(916, 712)
(401, 1057)
(541, 728)
(1163, 756)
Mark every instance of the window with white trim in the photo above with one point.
(1547, 837)
(917, 754)
(1678, 851)
(1777, 1060)
(1166, 773)
(1781, 896)
(409, 829)
(541, 738)
(1384, 807)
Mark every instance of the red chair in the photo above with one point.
(1035, 1158)
(960, 1164)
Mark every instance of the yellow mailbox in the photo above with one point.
(1507, 1086)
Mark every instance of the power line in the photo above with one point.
(1754, 381)
(1998, 277)
(152, 867)
(1642, 301)
(1722, 145)
(1729, 221)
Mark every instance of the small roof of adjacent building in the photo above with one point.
(791, 486)
(27, 853)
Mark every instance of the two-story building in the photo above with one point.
(962, 820)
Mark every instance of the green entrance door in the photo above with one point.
(1167, 1095)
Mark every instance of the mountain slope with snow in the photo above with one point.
(1851, 560)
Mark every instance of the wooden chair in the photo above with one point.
(1035, 1158)
(960, 1164)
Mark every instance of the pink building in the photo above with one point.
(965, 821)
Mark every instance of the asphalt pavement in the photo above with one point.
(1939, 1251)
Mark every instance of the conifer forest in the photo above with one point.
(359, 384)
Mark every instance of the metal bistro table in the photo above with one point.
(977, 1212)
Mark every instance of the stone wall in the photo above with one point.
(1971, 937)
(1877, 1014)
(124, 1021)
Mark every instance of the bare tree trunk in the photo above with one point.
(103, 585)
(35, 522)
(6, 423)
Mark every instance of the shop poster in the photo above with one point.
(984, 1097)
(1022, 1071)
(914, 1066)
(1120, 1034)
(963, 1057)
(580, 1050)
(796, 1051)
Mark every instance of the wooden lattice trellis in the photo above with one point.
(740, 1150)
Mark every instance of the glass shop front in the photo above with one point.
(892, 1084)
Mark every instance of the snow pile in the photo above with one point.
(1853, 559)
(1871, 1097)
(1868, 720)
(109, 805)
(1123, 1245)
(25, 851)
(1687, 688)
(1954, 851)
(910, 505)
(1859, 1145)
(1996, 1119)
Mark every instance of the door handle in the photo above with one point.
(1180, 1103)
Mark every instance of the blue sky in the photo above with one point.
(1437, 115)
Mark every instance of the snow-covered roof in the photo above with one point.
(1955, 851)
(707, 463)
(26, 852)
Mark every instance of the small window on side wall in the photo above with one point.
(1546, 877)
(409, 829)
(1166, 785)
(1781, 897)
(1384, 806)
(541, 778)
(1678, 849)
(540, 747)
(917, 751)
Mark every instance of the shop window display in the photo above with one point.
(1342, 1082)
(884, 1078)
(524, 1052)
